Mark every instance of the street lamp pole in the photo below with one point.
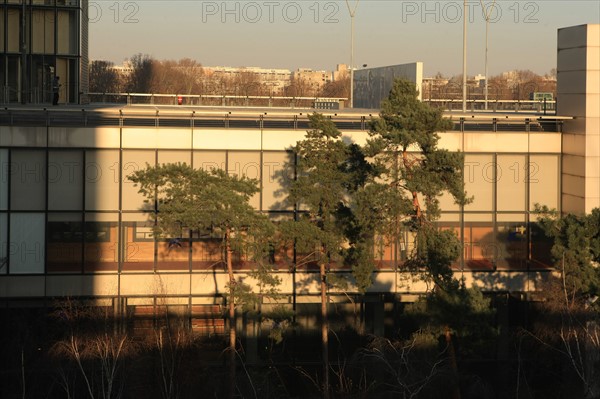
(487, 12)
(465, 17)
(352, 12)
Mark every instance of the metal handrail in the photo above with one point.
(173, 98)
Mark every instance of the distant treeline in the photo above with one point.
(145, 74)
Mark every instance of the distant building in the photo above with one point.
(314, 79)
(371, 85)
(276, 78)
(38, 41)
(341, 72)
(123, 70)
(434, 87)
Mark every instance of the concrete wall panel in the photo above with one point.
(573, 36)
(573, 204)
(571, 82)
(573, 185)
(571, 59)
(544, 143)
(22, 286)
(573, 165)
(281, 140)
(217, 139)
(571, 104)
(156, 138)
(87, 137)
(592, 109)
(20, 136)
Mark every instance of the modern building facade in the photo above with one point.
(40, 40)
(73, 225)
(578, 94)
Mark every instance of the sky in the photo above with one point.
(317, 34)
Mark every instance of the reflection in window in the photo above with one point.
(512, 245)
(28, 180)
(64, 243)
(138, 243)
(173, 253)
(207, 252)
(541, 248)
(3, 243)
(4, 179)
(27, 244)
(101, 242)
(453, 226)
(480, 249)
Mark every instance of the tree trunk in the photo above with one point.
(231, 303)
(324, 333)
(453, 364)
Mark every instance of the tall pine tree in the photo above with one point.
(215, 204)
(415, 173)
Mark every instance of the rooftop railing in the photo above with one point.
(222, 100)
(248, 119)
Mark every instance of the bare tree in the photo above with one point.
(104, 78)
(96, 348)
(140, 78)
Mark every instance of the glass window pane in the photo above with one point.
(511, 178)
(479, 242)
(447, 203)
(101, 242)
(209, 160)
(511, 237)
(13, 34)
(173, 252)
(27, 244)
(28, 180)
(65, 180)
(4, 179)
(451, 221)
(102, 180)
(64, 243)
(138, 242)
(278, 172)
(2, 31)
(541, 248)
(543, 181)
(66, 32)
(166, 157)
(134, 161)
(3, 243)
(479, 181)
(245, 164)
(206, 253)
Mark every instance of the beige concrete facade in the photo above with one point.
(578, 95)
(79, 174)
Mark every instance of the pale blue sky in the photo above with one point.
(316, 34)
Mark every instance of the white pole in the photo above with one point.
(465, 17)
(352, 12)
(487, 12)
(487, 23)
(352, 60)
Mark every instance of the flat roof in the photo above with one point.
(186, 111)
